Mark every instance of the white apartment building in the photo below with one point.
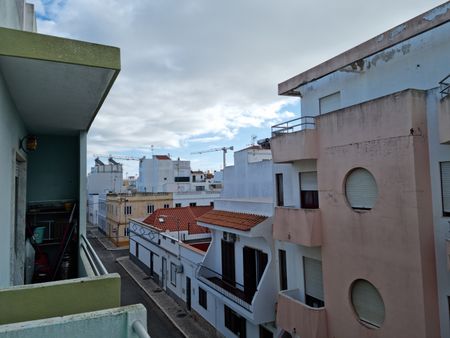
(92, 208)
(238, 272)
(105, 177)
(195, 198)
(162, 174)
(169, 245)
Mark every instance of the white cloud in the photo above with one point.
(201, 70)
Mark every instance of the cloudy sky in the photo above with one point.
(200, 74)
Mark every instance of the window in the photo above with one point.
(193, 178)
(166, 206)
(264, 333)
(126, 231)
(283, 269)
(445, 187)
(330, 103)
(202, 298)
(177, 205)
(127, 210)
(137, 250)
(279, 189)
(361, 189)
(367, 303)
(309, 196)
(181, 179)
(192, 204)
(211, 204)
(200, 188)
(313, 282)
(255, 262)
(150, 209)
(173, 274)
(234, 322)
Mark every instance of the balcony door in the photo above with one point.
(255, 262)
(228, 263)
(309, 196)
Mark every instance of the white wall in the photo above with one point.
(17, 14)
(419, 63)
(438, 153)
(99, 182)
(201, 198)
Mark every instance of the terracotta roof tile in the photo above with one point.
(234, 220)
(162, 157)
(185, 215)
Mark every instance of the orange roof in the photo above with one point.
(185, 216)
(234, 220)
(162, 157)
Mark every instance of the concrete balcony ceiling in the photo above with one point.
(58, 85)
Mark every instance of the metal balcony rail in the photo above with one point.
(233, 291)
(444, 86)
(300, 123)
(139, 329)
(95, 262)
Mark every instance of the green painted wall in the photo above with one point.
(38, 301)
(12, 130)
(53, 169)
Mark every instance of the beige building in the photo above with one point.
(121, 207)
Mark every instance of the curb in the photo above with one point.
(138, 282)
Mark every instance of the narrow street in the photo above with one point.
(158, 324)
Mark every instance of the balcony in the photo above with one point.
(294, 140)
(300, 226)
(121, 322)
(296, 317)
(233, 291)
(444, 118)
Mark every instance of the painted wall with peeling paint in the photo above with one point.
(419, 63)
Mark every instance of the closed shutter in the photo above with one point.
(308, 181)
(368, 303)
(313, 278)
(361, 189)
(445, 181)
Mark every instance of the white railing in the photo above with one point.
(94, 261)
(301, 123)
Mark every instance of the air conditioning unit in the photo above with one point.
(179, 268)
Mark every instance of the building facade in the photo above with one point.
(361, 224)
(105, 177)
(120, 208)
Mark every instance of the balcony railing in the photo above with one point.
(301, 123)
(94, 261)
(444, 86)
(233, 291)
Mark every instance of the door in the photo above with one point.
(228, 270)
(164, 273)
(188, 293)
(279, 189)
(255, 262)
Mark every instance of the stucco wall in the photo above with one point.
(12, 130)
(391, 245)
(53, 169)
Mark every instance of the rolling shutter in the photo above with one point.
(368, 303)
(361, 189)
(313, 278)
(308, 181)
(445, 181)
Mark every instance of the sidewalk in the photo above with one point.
(182, 320)
(105, 242)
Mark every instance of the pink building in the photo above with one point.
(361, 221)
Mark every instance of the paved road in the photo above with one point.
(158, 324)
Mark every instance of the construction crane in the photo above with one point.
(223, 149)
(119, 157)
